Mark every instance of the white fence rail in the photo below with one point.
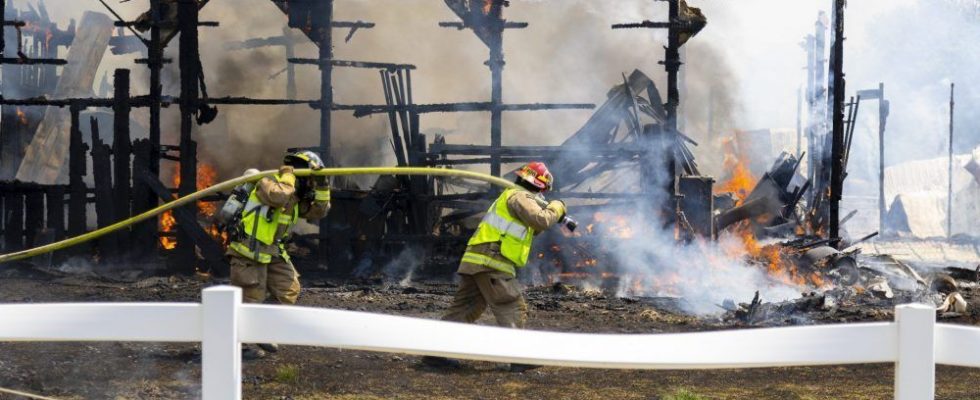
(221, 323)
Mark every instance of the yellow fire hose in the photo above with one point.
(231, 183)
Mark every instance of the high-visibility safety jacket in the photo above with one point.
(498, 225)
(259, 225)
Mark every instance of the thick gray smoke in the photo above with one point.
(568, 54)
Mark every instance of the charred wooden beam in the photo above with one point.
(154, 62)
(32, 61)
(495, 41)
(837, 142)
(121, 151)
(105, 211)
(352, 64)
(211, 251)
(262, 102)
(77, 165)
(365, 110)
(603, 151)
(190, 75)
(323, 26)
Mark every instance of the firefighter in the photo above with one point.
(500, 245)
(257, 254)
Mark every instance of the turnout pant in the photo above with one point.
(497, 290)
(258, 280)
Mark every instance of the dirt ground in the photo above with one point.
(172, 371)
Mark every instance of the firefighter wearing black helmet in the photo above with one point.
(259, 262)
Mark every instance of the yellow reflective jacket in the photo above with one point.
(499, 225)
(258, 227)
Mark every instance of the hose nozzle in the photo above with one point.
(568, 222)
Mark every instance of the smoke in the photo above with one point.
(568, 54)
(704, 274)
(644, 255)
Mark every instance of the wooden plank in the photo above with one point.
(45, 156)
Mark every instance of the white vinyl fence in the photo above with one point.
(914, 342)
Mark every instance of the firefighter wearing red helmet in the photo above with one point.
(500, 245)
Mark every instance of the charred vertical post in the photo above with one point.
(495, 26)
(10, 141)
(672, 63)
(949, 188)
(77, 165)
(190, 73)
(837, 104)
(105, 210)
(3, 18)
(155, 64)
(326, 106)
(121, 150)
(326, 78)
(144, 233)
(290, 67)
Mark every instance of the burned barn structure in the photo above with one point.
(74, 160)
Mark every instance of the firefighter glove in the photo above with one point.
(558, 207)
(286, 175)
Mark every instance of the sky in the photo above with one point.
(916, 48)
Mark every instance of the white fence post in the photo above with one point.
(915, 370)
(221, 354)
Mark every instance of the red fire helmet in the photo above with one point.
(537, 174)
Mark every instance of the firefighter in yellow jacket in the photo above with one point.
(500, 245)
(257, 254)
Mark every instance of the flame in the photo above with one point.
(206, 177)
(615, 225)
(21, 117)
(741, 181)
(167, 223)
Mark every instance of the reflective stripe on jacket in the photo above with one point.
(259, 225)
(499, 225)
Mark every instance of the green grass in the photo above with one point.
(287, 373)
(684, 394)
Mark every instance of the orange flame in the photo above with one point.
(741, 181)
(206, 177)
(21, 117)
